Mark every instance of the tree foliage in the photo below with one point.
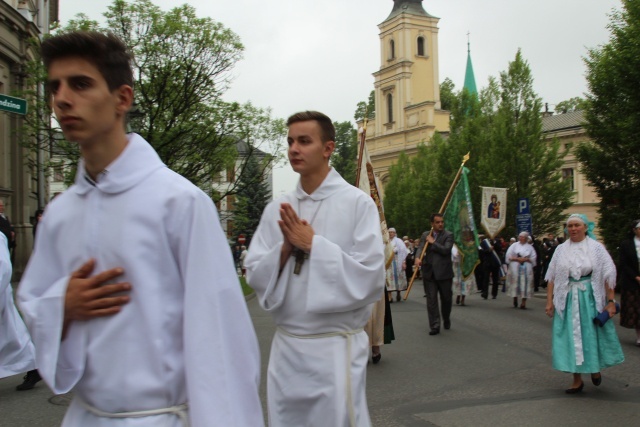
(611, 161)
(572, 104)
(501, 129)
(447, 94)
(252, 197)
(182, 66)
(345, 157)
(366, 108)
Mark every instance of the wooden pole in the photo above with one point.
(442, 208)
(363, 136)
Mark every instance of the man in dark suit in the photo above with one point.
(437, 272)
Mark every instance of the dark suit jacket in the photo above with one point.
(628, 264)
(436, 264)
(6, 229)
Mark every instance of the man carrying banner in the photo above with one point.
(437, 272)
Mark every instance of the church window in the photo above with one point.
(390, 108)
(392, 49)
(420, 46)
(567, 176)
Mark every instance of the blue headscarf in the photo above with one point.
(590, 224)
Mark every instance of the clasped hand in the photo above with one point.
(297, 232)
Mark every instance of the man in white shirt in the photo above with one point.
(130, 295)
(316, 262)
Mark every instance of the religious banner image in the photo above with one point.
(458, 219)
(493, 210)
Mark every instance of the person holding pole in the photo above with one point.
(437, 272)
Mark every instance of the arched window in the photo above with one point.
(420, 46)
(390, 108)
(392, 49)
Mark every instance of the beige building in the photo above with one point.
(22, 187)
(407, 89)
(569, 129)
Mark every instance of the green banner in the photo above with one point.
(458, 219)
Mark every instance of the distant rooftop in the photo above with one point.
(411, 7)
(574, 119)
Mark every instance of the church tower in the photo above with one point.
(407, 86)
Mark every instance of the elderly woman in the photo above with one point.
(396, 276)
(630, 280)
(521, 257)
(582, 279)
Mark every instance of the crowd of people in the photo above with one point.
(156, 331)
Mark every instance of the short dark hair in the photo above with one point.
(436, 215)
(327, 130)
(106, 51)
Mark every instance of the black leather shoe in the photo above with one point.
(447, 324)
(30, 380)
(376, 358)
(575, 390)
(596, 380)
(434, 332)
(458, 300)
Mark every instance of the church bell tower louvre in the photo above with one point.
(407, 87)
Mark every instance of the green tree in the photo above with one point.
(366, 107)
(572, 104)
(182, 66)
(447, 94)
(528, 165)
(611, 161)
(344, 159)
(252, 197)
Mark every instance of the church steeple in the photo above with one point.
(469, 78)
(412, 7)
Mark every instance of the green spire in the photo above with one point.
(469, 78)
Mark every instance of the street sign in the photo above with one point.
(13, 105)
(523, 217)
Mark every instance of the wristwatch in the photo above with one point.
(611, 300)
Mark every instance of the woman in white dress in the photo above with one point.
(521, 258)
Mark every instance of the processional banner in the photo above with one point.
(458, 219)
(494, 210)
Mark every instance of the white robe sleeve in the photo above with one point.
(263, 261)
(41, 297)
(346, 279)
(222, 356)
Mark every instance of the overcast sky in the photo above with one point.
(320, 54)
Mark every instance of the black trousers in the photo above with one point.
(494, 272)
(432, 288)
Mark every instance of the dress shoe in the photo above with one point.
(376, 358)
(575, 390)
(523, 307)
(434, 332)
(447, 324)
(398, 297)
(515, 303)
(30, 380)
(596, 380)
(458, 300)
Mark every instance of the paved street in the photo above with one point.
(493, 368)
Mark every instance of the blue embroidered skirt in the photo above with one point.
(579, 346)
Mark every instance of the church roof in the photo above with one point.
(469, 77)
(574, 119)
(411, 7)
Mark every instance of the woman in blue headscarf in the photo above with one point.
(582, 279)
